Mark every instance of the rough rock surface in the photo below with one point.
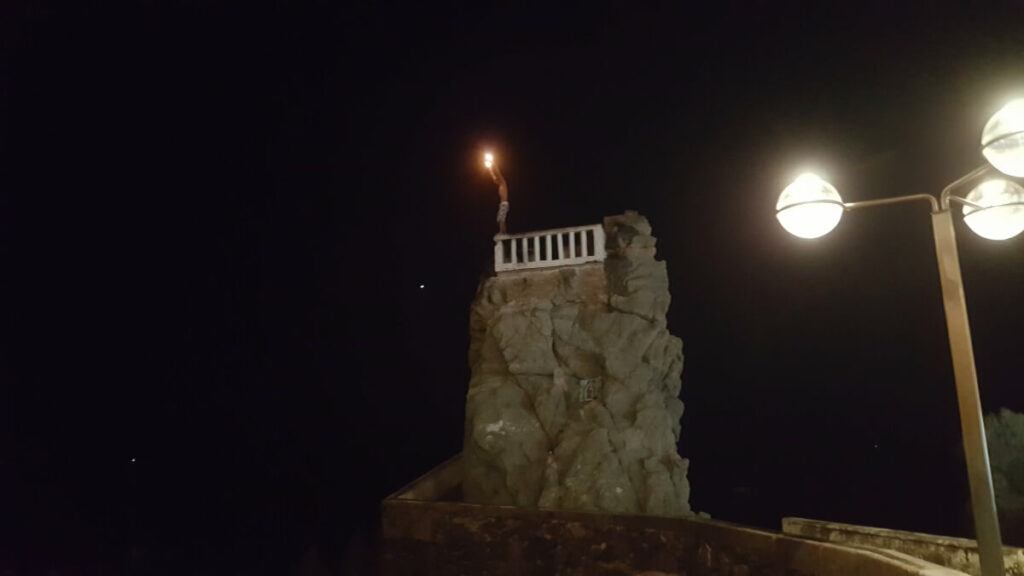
(573, 400)
(1005, 432)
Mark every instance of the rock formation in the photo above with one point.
(1005, 433)
(573, 400)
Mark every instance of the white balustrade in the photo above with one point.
(548, 248)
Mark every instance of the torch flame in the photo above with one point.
(488, 160)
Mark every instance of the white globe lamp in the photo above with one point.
(1002, 140)
(998, 209)
(809, 207)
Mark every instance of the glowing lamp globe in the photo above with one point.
(488, 160)
(809, 207)
(1001, 215)
(1002, 140)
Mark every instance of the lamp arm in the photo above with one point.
(897, 200)
(966, 178)
(966, 202)
(937, 206)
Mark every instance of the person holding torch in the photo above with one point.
(496, 175)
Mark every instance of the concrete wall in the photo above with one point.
(424, 534)
(957, 553)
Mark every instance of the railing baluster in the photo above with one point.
(499, 252)
(547, 243)
(572, 245)
(513, 244)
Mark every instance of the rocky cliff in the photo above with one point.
(1005, 432)
(573, 400)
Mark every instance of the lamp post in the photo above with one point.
(994, 209)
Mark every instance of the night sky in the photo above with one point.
(215, 219)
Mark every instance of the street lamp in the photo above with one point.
(811, 207)
(995, 210)
(1002, 140)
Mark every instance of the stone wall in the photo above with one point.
(422, 535)
(573, 399)
(957, 553)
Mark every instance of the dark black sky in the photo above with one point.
(214, 219)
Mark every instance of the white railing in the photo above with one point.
(546, 248)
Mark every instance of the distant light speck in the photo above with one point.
(422, 286)
(133, 459)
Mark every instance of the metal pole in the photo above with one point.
(983, 504)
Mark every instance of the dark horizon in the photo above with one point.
(215, 222)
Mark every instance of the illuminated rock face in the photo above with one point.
(1005, 432)
(573, 401)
